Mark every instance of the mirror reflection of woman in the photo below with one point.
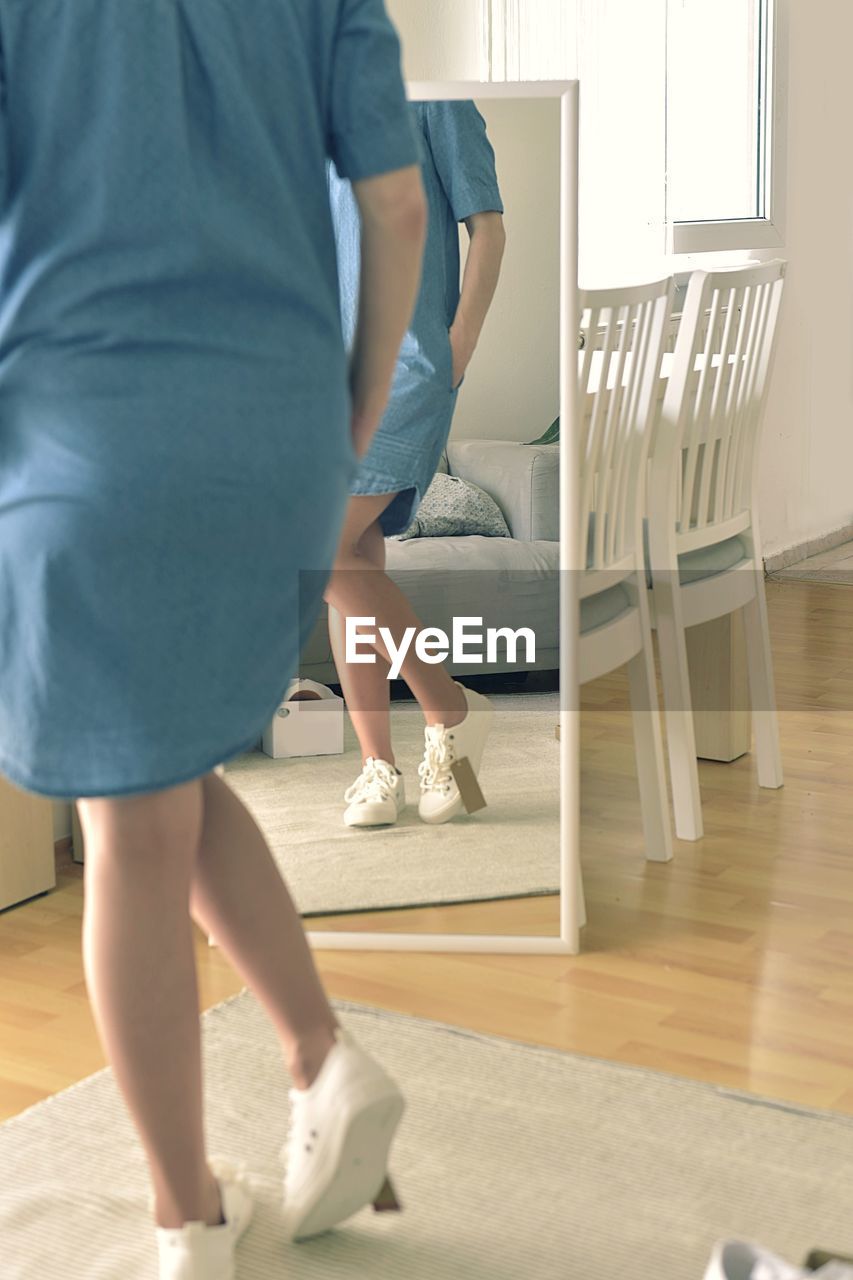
(170, 354)
(461, 184)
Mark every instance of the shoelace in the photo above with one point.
(434, 769)
(375, 782)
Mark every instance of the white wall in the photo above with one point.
(807, 460)
(442, 39)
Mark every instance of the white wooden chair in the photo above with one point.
(703, 508)
(623, 333)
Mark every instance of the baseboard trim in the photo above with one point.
(812, 547)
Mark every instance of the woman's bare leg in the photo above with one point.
(150, 860)
(140, 970)
(239, 897)
(359, 587)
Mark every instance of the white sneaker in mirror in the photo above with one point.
(440, 799)
(341, 1130)
(196, 1251)
(377, 797)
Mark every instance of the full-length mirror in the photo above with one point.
(357, 784)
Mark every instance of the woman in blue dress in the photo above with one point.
(178, 430)
(461, 184)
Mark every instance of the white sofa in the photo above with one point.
(508, 582)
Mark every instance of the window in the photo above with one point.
(682, 119)
(724, 123)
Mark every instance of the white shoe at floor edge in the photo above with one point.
(741, 1260)
(341, 1130)
(440, 799)
(377, 797)
(196, 1251)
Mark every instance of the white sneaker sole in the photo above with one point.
(361, 820)
(438, 816)
(356, 1167)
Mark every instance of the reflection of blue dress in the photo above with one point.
(174, 411)
(460, 180)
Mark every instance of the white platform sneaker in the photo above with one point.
(196, 1251)
(377, 797)
(440, 798)
(740, 1260)
(341, 1130)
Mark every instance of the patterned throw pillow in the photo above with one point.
(451, 507)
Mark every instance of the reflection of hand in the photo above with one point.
(461, 356)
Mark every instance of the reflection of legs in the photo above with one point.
(140, 971)
(359, 587)
(238, 895)
(365, 686)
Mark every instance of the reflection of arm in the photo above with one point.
(393, 230)
(482, 271)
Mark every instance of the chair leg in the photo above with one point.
(680, 733)
(651, 770)
(762, 693)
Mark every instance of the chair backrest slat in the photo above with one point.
(624, 332)
(717, 390)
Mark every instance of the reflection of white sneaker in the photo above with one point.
(440, 799)
(739, 1260)
(377, 797)
(341, 1130)
(196, 1251)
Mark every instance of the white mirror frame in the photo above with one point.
(572, 914)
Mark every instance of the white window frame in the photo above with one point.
(767, 232)
(513, 48)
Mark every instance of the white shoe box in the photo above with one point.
(310, 722)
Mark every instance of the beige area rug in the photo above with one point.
(512, 1163)
(509, 849)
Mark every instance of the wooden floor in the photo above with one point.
(732, 964)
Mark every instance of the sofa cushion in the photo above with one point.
(523, 479)
(452, 507)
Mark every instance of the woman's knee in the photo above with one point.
(164, 823)
(361, 523)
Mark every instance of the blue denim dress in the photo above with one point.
(458, 165)
(174, 407)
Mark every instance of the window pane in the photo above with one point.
(715, 109)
